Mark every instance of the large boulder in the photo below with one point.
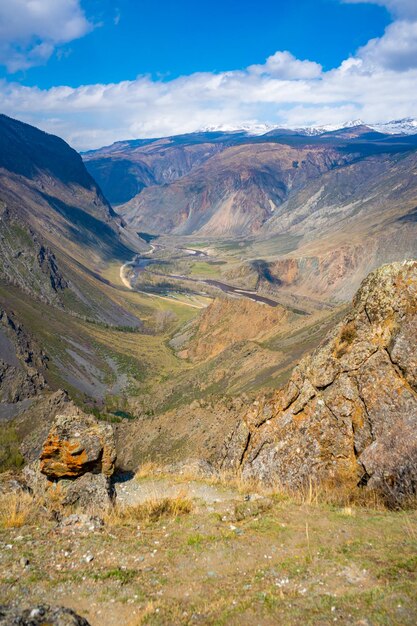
(77, 444)
(78, 459)
(42, 615)
(349, 411)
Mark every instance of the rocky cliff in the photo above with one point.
(349, 411)
(21, 364)
(226, 322)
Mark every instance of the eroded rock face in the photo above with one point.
(349, 410)
(40, 616)
(78, 444)
(21, 362)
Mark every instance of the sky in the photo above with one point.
(98, 71)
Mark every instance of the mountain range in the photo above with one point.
(288, 224)
(347, 195)
(404, 126)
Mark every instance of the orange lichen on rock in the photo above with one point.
(64, 457)
(77, 444)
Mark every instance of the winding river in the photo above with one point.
(139, 263)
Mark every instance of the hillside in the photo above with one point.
(233, 193)
(125, 168)
(246, 187)
(58, 234)
(57, 228)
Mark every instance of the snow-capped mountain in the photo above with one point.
(406, 126)
(327, 128)
(251, 128)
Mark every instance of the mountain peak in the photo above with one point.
(404, 126)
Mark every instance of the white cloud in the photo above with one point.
(376, 84)
(95, 115)
(284, 65)
(396, 50)
(30, 30)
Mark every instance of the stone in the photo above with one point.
(41, 615)
(349, 411)
(76, 462)
(86, 491)
(77, 444)
(81, 522)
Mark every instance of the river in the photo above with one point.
(138, 264)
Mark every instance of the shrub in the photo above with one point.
(15, 509)
(10, 456)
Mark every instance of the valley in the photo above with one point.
(143, 323)
(223, 355)
(139, 264)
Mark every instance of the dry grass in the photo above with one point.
(147, 470)
(146, 612)
(16, 510)
(228, 479)
(314, 493)
(150, 511)
(345, 496)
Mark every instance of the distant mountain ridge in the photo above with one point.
(348, 194)
(404, 126)
(125, 168)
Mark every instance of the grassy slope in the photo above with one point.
(139, 372)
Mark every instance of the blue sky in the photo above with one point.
(172, 38)
(95, 71)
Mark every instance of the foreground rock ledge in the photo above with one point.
(42, 615)
(349, 411)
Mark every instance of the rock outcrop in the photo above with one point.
(22, 362)
(225, 322)
(78, 459)
(349, 410)
(77, 444)
(41, 615)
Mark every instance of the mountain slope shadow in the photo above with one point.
(90, 231)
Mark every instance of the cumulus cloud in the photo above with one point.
(396, 50)
(95, 115)
(286, 66)
(30, 30)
